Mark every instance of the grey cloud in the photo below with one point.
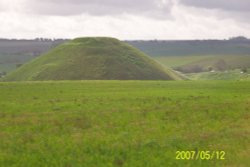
(227, 5)
(2, 7)
(100, 7)
(237, 10)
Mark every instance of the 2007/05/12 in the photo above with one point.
(203, 155)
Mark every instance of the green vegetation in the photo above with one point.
(186, 56)
(18, 49)
(189, 64)
(217, 63)
(92, 59)
(178, 61)
(227, 75)
(98, 123)
(123, 123)
(209, 67)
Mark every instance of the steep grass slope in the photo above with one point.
(92, 59)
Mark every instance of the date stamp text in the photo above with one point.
(200, 155)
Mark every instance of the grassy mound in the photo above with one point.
(97, 58)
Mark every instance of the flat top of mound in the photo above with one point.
(92, 58)
(94, 41)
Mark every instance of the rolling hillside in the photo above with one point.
(209, 67)
(193, 47)
(92, 59)
(197, 64)
(220, 75)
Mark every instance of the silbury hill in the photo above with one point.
(96, 58)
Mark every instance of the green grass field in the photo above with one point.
(123, 123)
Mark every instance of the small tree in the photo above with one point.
(220, 65)
(18, 65)
(2, 74)
(244, 70)
(210, 68)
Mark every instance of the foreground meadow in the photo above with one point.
(123, 123)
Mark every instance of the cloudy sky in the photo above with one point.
(125, 19)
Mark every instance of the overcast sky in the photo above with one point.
(125, 19)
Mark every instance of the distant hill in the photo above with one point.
(14, 53)
(215, 63)
(29, 47)
(92, 59)
(234, 46)
(197, 64)
(195, 56)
